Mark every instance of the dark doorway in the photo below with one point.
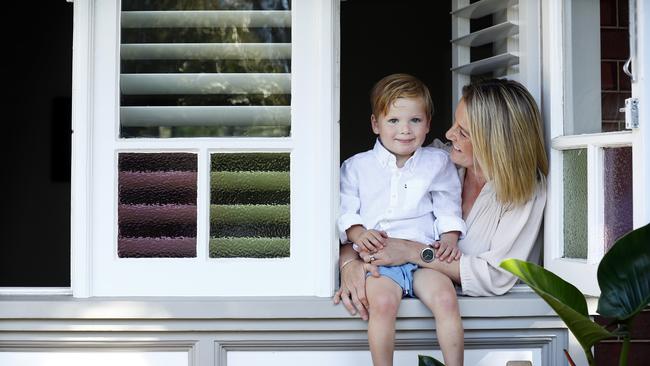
(36, 150)
(384, 37)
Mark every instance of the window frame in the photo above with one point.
(314, 163)
(582, 273)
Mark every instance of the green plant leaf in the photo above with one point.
(428, 361)
(567, 301)
(624, 276)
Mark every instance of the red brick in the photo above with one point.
(608, 352)
(614, 44)
(608, 72)
(623, 13)
(608, 13)
(640, 325)
(611, 103)
(611, 126)
(624, 83)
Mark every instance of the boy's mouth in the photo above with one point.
(405, 141)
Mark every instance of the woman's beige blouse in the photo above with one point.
(495, 233)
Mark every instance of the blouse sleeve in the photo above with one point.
(514, 237)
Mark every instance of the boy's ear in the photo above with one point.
(373, 123)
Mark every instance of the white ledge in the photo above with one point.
(513, 305)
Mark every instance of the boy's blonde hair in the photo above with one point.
(387, 90)
(505, 129)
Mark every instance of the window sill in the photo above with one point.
(67, 307)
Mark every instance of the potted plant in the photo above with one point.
(624, 280)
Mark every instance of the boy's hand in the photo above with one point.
(367, 240)
(447, 247)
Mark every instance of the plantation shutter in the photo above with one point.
(495, 38)
(206, 70)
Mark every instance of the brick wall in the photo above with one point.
(607, 352)
(614, 51)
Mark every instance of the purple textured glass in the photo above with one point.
(157, 205)
(618, 193)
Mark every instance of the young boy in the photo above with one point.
(402, 190)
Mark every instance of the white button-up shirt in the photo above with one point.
(416, 202)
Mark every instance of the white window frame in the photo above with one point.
(582, 273)
(96, 270)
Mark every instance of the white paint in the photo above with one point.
(314, 162)
(81, 358)
(562, 83)
(354, 358)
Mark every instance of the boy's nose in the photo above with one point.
(405, 129)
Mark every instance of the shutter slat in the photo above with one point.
(205, 116)
(487, 64)
(206, 51)
(196, 19)
(157, 84)
(488, 35)
(482, 8)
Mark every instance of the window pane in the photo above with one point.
(249, 211)
(618, 193)
(596, 34)
(575, 203)
(157, 205)
(205, 69)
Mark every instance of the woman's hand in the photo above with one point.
(395, 252)
(353, 287)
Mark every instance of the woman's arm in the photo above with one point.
(399, 251)
(352, 291)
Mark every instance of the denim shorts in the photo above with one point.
(402, 275)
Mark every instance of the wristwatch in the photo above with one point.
(428, 254)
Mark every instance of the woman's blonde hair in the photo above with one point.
(387, 90)
(505, 129)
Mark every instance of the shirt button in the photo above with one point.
(390, 210)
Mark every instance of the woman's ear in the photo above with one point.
(374, 124)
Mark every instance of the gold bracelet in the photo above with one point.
(346, 263)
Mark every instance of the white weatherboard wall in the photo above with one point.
(355, 358)
(98, 358)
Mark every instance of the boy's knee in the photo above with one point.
(384, 305)
(447, 300)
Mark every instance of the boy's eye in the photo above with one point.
(416, 120)
(393, 120)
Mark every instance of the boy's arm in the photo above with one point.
(350, 203)
(446, 197)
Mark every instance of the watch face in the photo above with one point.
(427, 254)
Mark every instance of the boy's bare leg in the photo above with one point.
(437, 292)
(384, 296)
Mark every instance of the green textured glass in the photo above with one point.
(205, 69)
(249, 205)
(575, 203)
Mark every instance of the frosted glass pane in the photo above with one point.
(157, 205)
(249, 210)
(205, 69)
(575, 203)
(618, 193)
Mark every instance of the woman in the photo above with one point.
(497, 143)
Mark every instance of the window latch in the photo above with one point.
(631, 111)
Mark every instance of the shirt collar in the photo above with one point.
(388, 160)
